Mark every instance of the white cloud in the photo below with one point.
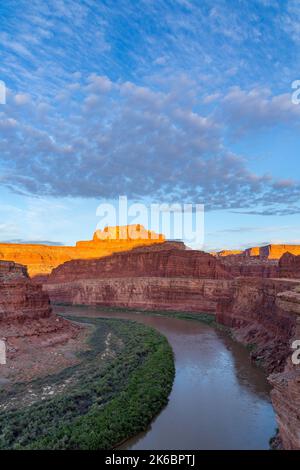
(21, 99)
(139, 141)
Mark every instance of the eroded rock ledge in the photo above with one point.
(27, 324)
(286, 384)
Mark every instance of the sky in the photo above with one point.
(168, 101)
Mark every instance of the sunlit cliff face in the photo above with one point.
(269, 251)
(41, 259)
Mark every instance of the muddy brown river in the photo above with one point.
(219, 400)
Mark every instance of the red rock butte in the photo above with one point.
(42, 259)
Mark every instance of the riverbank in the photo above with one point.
(219, 399)
(119, 386)
(202, 317)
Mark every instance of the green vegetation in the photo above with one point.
(113, 394)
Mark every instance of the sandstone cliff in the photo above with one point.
(289, 266)
(147, 293)
(227, 253)
(241, 266)
(265, 314)
(286, 385)
(165, 276)
(41, 259)
(27, 323)
(20, 299)
(169, 259)
(251, 309)
(272, 251)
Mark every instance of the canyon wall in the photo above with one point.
(251, 309)
(146, 293)
(165, 276)
(169, 259)
(20, 299)
(27, 323)
(271, 252)
(286, 384)
(239, 266)
(289, 266)
(260, 309)
(41, 259)
(265, 315)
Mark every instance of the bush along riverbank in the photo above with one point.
(120, 384)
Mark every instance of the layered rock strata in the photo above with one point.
(251, 309)
(241, 266)
(165, 276)
(272, 251)
(289, 266)
(286, 384)
(27, 324)
(41, 259)
(147, 293)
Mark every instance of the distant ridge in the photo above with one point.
(41, 259)
(271, 251)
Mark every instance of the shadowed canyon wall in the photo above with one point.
(265, 315)
(286, 384)
(251, 309)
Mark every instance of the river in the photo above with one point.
(219, 400)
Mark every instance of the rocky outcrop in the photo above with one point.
(241, 266)
(251, 309)
(227, 253)
(149, 293)
(27, 323)
(265, 315)
(286, 384)
(272, 251)
(169, 259)
(41, 259)
(289, 266)
(165, 276)
(20, 299)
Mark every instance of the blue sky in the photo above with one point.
(170, 101)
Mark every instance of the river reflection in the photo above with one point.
(219, 400)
